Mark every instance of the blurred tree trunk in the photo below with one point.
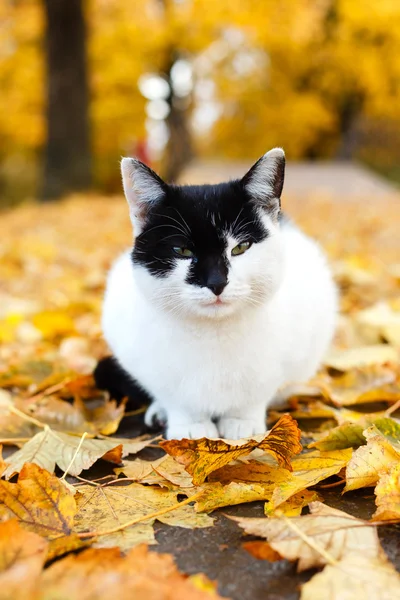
(179, 151)
(67, 165)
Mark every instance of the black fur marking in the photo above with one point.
(110, 376)
(198, 218)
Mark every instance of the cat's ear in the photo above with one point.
(264, 182)
(143, 189)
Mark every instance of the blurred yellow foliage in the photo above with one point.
(295, 73)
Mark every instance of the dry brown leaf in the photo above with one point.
(387, 494)
(49, 448)
(202, 457)
(101, 508)
(104, 574)
(308, 469)
(332, 532)
(371, 461)
(356, 576)
(73, 418)
(22, 556)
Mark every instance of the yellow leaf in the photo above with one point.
(356, 576)
(202, 457)
(344, 360)
(39, 501)
(54, 324)
(334, 534)
(347, 435)
(371, 461)
(308, 469)
(360, 386)
(22, 556)
(293, 506)
(387, 494)
(101, 508)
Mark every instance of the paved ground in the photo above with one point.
(336, 180)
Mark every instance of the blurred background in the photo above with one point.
(174, 82)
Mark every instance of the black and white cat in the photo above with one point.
(220, 302)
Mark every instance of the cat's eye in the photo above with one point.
(241, 248)
(183, 252)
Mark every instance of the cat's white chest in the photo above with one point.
(208, 368)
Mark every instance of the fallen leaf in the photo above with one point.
(49, 448)
(202, 457)
(22, 556)
(373, 383)
(333, 533)
(39, 501)
(379, 354)
(369, 462)
(262, 551)
(347, 435)
(308, 469)
(294, 506)
(387, 494)
(104, 574)
(356, 576)
(101, 508)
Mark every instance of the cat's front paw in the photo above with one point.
(234, 429)
(192, 431)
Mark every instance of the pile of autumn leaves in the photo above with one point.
(47, 515)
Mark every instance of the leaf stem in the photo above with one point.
(328, 557)
(74, 456)
(23, 415)
(154, 515)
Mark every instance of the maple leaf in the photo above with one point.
(356, 576)
(49, 448)
(333, 534)
(202, 457)
(104, 574)
(101, 508)
(22, 557)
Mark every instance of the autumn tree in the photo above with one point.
(67, 165)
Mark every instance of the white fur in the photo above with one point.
(211, 368)
(141, 190)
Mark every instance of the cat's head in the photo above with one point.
(208, 250)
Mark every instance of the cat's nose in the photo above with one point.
(217, 288)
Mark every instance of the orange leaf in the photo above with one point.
(202, 457)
